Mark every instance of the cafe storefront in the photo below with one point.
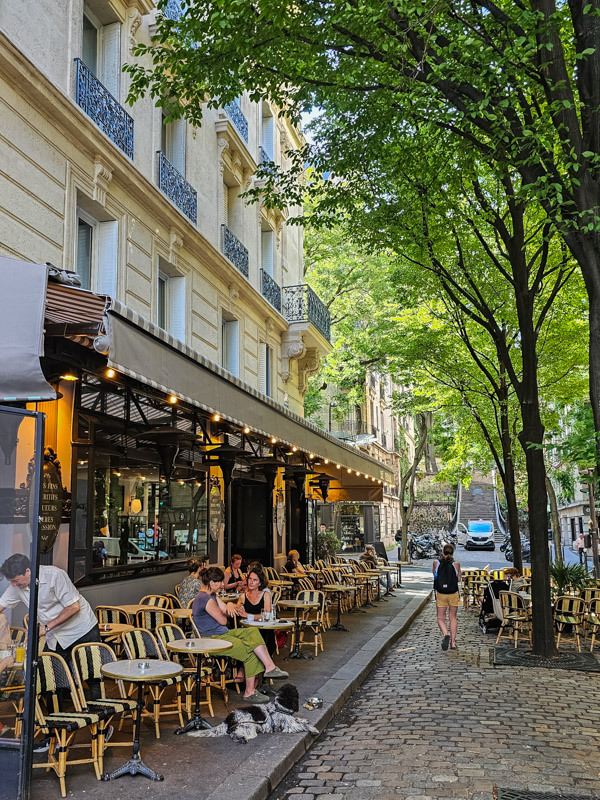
(161, 453)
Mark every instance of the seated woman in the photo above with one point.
(233, 577)
(517, 581)
(191, 585)
(210, 615)
(293, 563)
(256, 599)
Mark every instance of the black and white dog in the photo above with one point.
(244, 724)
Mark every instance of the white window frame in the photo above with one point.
(93, 223)
(267, 252)
(175, 311)
(230, 344)
(108, 56)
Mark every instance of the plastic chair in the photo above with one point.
(62, 727)
(140, 643)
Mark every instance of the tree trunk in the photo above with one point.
(409, 480)
(555, 521)
(508, 477)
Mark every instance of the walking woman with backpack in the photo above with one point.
(446, 575)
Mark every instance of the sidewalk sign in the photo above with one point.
(21, 475)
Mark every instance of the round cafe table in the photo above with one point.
(134, 671)
(181, 613)
(198, 647)
(112, 631)
(298, 606)
(132, 609)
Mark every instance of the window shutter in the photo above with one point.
(85, 235)
(262, 367)
(233, 346)
(177, 154)
(111, 58)
(267, 240)
(108, 256)
(177, 307)
(225, 204)
(268, 352)
(267, 137)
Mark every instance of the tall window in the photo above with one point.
(96, 253)
(268, 128)
(230, 344)
(101, 51)
(172, 142)
(265, 369)
(267, 240)
(170, 301)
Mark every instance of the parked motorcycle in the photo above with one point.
(525, 551)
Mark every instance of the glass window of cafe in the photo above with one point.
(126, 511)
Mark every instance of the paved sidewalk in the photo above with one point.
(219, 769)
(429, 725)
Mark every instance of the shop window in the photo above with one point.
(230, 344)
(96, 253)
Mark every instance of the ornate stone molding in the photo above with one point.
(135, 22)
(102, 177)
(175, 245)
(234, 293)
(307, 366)
(292, 347)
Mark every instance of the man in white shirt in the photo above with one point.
(64, 616)
(580, 548)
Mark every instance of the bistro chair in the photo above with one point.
(271, 573)
(140, 643)
(157, 600)
(111, 615)
(569, 611)
(54, 677)
(174, 600)
(514, 616)
(275, 595)
(314, 619)
(177, 588)
(593, 619)
(590, 593)
(87, 662)
(222, 670)
(151, 618)
(172, 633)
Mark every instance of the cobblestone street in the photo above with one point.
(429, 725)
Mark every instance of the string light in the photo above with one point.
(294, 449)
(311, 455)
(273, 440)
(338, 466)
(349, 471)
(110, 373)
(68, 376)
(216, 417)
(326, 461)
(172, 399)
(246, 429)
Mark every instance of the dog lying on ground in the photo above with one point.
(244, 724)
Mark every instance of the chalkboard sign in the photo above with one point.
(51, 504)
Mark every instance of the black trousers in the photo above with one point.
(93, 635)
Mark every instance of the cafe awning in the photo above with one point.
(22, 304)
(142, 350)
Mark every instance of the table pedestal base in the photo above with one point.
(135, 766)
(196, 723)
(338, 627)
(298, 654)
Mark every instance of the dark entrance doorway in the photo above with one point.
(251, 536)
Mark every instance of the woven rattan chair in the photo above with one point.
(514, 616)
(157, 600)
(313, 619)
(569, 611)
(141, 643)
(151, 618)
(111, 615)
(174, 600)
(592, 619)
(53, 677)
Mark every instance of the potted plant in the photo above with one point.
(327, 544)
(569, 577)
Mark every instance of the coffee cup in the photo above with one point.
(250, 618)
(266, 616)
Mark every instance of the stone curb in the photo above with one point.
(252, 781)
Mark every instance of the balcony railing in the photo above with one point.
(102, 108)
(270, 290)
(238, 119)
(301, 304)
(234, 250)
(177, 189)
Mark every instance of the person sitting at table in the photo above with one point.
(256, 599)
(370, 559)
(517, 581)
(293, 563)
(191, 585)
(234, 581)
(210, 616)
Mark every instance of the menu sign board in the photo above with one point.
(51, 504)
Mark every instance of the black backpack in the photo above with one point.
(446, 579)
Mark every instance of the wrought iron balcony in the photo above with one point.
(177, 189)
(270, 289)
(238, 119)
(99, 104)
(301, 304)
(234, 250)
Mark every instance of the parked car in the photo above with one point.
(135, 554)
(480, 535)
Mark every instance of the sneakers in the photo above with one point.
(279, 673)
(445, 642)
(257, 698)
(42, 746)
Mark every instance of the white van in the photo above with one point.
(112, 545)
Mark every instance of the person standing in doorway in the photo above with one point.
(580, 547)
(446, 576)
